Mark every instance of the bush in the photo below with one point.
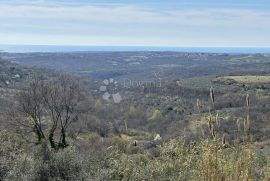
(174, 160)
(206, 160)
(49, 165)
(156, 115)
(10, 148)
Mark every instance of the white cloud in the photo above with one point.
(118, 23)
(133, 14)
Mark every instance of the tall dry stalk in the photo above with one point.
(238, 122)
(223, 140)
(247, 123)
(218, 118)
(126, 126)
(210, 123)
(213, 133)
(247, 101)
(199, 105)
(212, 96)
(211, 127)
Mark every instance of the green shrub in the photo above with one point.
(156, 115)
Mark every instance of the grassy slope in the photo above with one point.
(246, 79)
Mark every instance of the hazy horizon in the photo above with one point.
(92, 48)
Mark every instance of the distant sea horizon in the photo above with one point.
(65, 49)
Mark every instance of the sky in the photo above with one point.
(164, 23)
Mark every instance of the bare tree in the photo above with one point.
(57, 102)
(62, 100)
(31, 104)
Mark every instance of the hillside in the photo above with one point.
(137, 108)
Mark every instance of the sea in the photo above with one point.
(58, 48)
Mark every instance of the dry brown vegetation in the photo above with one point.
(54, 129)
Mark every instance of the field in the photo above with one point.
(248, 79)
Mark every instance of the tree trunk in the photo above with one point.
(39, 134)
(51, 140)
(63, 142)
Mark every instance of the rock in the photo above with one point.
(158, 137)
(16, 76)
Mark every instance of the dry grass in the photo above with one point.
(249, 79)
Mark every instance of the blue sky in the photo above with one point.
(187, 23)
